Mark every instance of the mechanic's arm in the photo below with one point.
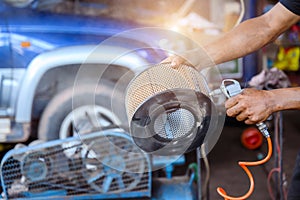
(251, 34)
(254, 106)
(245, 38)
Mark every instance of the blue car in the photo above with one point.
(65, 67)
(50, 47)
(65, 64)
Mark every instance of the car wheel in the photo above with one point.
(81, 110)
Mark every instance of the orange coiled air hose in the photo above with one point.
(244, 165)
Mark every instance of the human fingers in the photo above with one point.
(242, 116)
(232, 101)
(233, 111)
(168, 59)
(174, 61)
(249, 121)
(239, 104)
(257, 118)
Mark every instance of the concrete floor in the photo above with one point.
(224, 158)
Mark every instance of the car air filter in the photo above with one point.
(168, 109)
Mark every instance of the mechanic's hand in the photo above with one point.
(176, 61)
(196, 58)
(252, 106)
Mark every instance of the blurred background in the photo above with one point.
(65, 66)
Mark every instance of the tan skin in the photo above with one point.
(254, 106)
(251, 35)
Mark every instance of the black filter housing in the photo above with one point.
(172, 122)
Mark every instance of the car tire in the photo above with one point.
(63, 105)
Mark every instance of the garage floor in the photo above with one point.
(228, 151)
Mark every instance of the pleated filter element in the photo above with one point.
(159, 78)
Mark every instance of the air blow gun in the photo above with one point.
(230, 88)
